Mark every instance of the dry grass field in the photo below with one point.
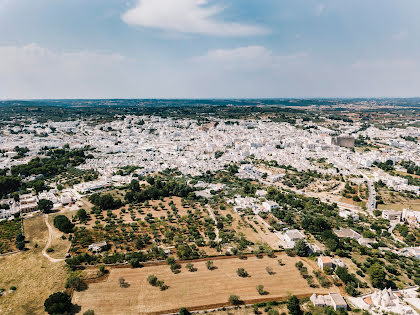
(60, 246)
(33, 275)
(194, 289)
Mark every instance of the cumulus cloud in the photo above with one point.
(186, 16)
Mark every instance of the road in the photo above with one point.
(371, 204)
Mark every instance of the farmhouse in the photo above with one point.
(334, 300)
(325, 262)
(391, 215)
(269, 206)
(98, 247)
(291, 236)
(347, 233)
(328, 262)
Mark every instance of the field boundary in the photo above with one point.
(163, 262)
(226, 304)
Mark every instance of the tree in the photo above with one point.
(260, 290)
(58, 303)
(293, 306)
(62, 223)
(300, 248)
(209, 265)
(242, 272)
(82, 215)
(170, 260)
(234, 299)
(20, 237)
(190, 267)
(184, 311)
(20, 245)
(102, 270)
(45, 205)
(76, 283)
(377, 276)
(89, 312)
(152, 279)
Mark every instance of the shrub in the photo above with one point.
(242, 273)
(190, 267)
(152, 279)
(210, 265)
(234, 299)
(260, 290)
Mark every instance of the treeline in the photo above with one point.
(9, 184)
(157, 189)
(57, 161)
(411, 167)
(105, 202)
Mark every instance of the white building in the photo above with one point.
(269, 206)
(334, 300)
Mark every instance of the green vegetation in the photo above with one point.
(58, 303)
(62, 223)
(11, 237)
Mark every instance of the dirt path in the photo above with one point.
(215, 221)
(51, 232)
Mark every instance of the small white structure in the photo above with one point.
(391, 215)
(347, 233)
(366, 241)
(348, 214)
(334, 300)
(66, 199)
(328, 262)
(325, 262)
(269, 206)
(291, 236)
(98, 247)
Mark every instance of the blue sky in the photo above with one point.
(209, 48)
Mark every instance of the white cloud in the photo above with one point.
(186, 16)
(248, 58)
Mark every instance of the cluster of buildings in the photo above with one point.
(194, 148)
(387, 301)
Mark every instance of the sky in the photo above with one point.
(209, 48)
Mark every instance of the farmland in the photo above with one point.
(8, 232)
(33, 275)
(195, 289)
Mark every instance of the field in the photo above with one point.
(409, 205)
(8, 232)
(164, 221)
(200, 289)
(33, 275)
